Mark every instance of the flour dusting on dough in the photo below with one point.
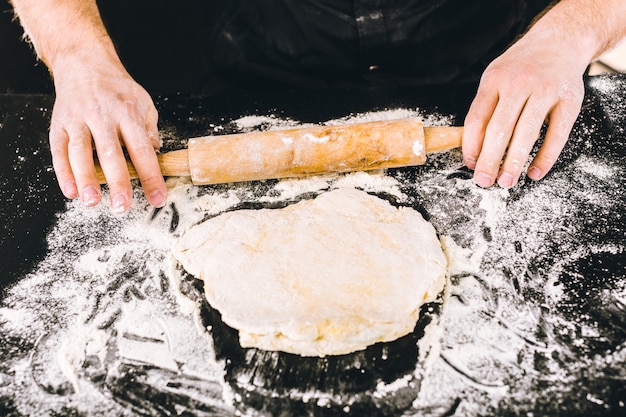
(347, 269)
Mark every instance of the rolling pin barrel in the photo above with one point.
(306, 151)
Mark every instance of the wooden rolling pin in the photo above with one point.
(306, 151)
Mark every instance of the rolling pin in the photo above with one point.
(306, 151)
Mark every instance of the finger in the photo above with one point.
(525, 135)
(497, 137)
(562, 119)
(80, 155)
(114, 167)
(475, 125)
(141, 151)
(151, 122)
(60, 161)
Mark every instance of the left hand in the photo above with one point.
(539, 79)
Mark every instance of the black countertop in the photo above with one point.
(29, 192)
(567, 232)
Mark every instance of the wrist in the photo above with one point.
(86, 64)
(89, 54)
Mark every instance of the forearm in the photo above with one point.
(589, 27)
(66, 33)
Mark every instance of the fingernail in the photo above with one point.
(534, 173)
(90, 196)
(157, 199)
(505, 180)
(470, 163)
(483, 180)
(119, 204)
(70, 190)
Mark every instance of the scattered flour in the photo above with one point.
(102, 316)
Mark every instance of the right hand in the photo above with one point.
(104, 108)
(537, 79)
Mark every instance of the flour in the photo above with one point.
(101, 326)
(255, 123)
(430, 119)
(609, 91)
(601, 171)
(105, 299)
(100, 302)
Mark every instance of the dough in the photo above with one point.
(327, 276)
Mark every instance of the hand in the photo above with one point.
(104, 108)
(539, 79)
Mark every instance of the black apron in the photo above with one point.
(317, 44)
(212, 45)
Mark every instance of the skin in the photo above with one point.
(98, 105)
(538, 79)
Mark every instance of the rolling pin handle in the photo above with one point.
(442, 138)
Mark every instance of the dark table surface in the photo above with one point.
(28, 180)
(567, 232)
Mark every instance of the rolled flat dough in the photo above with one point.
(327, 276)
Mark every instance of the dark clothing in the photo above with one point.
(194, 46)
(330, 43)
